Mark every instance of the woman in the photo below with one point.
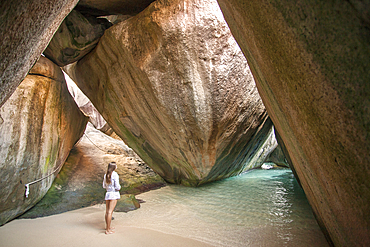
(111, 184)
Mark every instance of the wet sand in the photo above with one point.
(85, 227)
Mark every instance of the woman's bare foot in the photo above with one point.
(109, 232)
(112, 228)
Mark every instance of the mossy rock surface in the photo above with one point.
(127, 203)
(79, 183)
(39, 124)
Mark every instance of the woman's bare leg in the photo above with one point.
(108, 216)
(110, 205)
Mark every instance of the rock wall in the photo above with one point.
(311, 61)
(174, 85)
(26, 29)
(39, 124)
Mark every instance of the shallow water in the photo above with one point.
(258, 208)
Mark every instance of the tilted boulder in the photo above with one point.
(311, 61)
(26, 29)
(39, 124)
(174, 85)
(76, 36)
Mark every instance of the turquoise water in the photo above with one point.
(258, 208)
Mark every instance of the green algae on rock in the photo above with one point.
(79, 183)
(127, 203)
(40, 125)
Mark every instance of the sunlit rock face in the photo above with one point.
(39, 124)
(76, 37)
(311, 64)
(86, 106)
(174, 85)
(26, 29)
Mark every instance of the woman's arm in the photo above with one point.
(117, 186)
(104, 184)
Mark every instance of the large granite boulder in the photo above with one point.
(25, 31)
(311, 62)
(39, 124)
(174, 85)
(76, 36)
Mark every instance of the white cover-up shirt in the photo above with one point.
(112, 188)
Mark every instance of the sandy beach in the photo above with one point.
(85, 227)
(239, 216)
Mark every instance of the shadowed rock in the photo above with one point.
(112, 7)
(76, 37)
(39, 124)
(311, 60)
(174, 85)
(25, 31)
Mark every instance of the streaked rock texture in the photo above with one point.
(39, 124)
(25, 31)
(76, 36)
(310, 60)
(277, 157)
(268, 151)
(174, 85)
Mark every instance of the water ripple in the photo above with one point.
(259, 208)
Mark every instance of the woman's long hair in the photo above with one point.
(108, 176)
